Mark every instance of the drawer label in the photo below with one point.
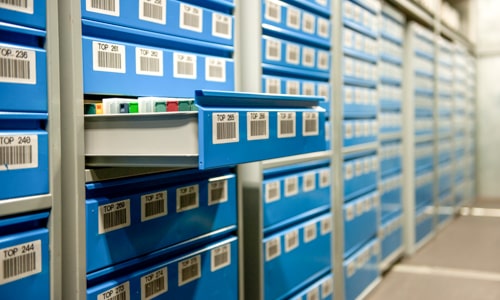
(17, 65)
(18, 152)
(20, 261)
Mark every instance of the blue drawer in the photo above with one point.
(390, 158)
(446, 206)
(359, 72)
(360, 222)
(445, 178)
(424, 189)
(390, 97)
(391, 196)
(359, 45)
(31, 13)
(321, 289)
(207, 273)
(390, 122)
(295, 192)
(391, 235)
(424, 156)
(358, 132)
(359, 18)
(361, 269)
(305, 247)
(424, 223)
(360, 176)
(360, 102)
(123, 216)
(24, 244)
(24, 155)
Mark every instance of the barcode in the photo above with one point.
(311, 126)
(293, 54)
(294, 19)
(185, 68)
(188, 200)
(292, 240)
(221, 259)
(109, 60)
(273, 11)
(107, 5)
(287, 127)
(149, 64)
(191, 18)
(115, 218)
(258, 128)
(226, 130)
(16, 155)
(155, 208)
(153, 11)
(308, 89)
(19, 265)
(15, 68)
(313, 295)
(215, 72)
(310, 232)
(122, 296)
(221, 27)
(154, 286)
(18, 3)
(189, 270)
(272, 193)
(273, 248)
(120, 292)
(272, 86)
(291, 186)
(292, 88)
(273, 50)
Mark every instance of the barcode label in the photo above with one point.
(286, 124)
(359, 208)
(324, 178)
(257, 126)
(348, 171)
(191, 18)
(326, 288)
(291, 240)
(349, 65)
(291, 186)
(374, 163)
(108, 57)
(272, 191)
(367, 163)
(310, 123)
(106, 7)
(17, 65)
(308, 88)
(148, 62)
(321, 2)
(154, 284)
(25, 6)
(308, 57)
(326, 226)
(153, 11)
(358, 129)
(293, 18)
(308, 21)
(187, 197)
(185, 66)
(225, 128)
(366, 128)
(273, 11)
(367, 204)
(20, 261)
(313, 294)
(323, 60)
(375, 249)
(114, 216)
(292, 87)
(348, 38)
(323, 91)
(153, 205)
(222, 26)
(215, 69)
(273, 86)
(323, 26)
(273, 49)
(189, 270)
(310, 232)
(349, 213)
(120, 292)
(358, 168)
(358, 40)
(217, 192)
(309, 182)
(351, 269)
(18, 152)
(273, 249)
(220, 257)
(292, 54)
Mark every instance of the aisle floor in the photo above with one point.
(461, 262)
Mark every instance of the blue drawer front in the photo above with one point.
(390, 158)
(185, 71)
(28, 249)
(208, 273)
(446, 207)
(359, 18)
(359, 102)
(424, 194)
(390, 165)
(167, 17)
(360, 222)
(24, 13)
(304, 247)
(294, 196)
(358, 132)
(361, 269)
(23, 81)
(321, 289)
(359, 72)
(391, 196)
(360, 176)
(123, 225)
(391, 236)
(424, 223)
(444, 182)
(390, 122)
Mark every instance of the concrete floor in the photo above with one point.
(462, 262)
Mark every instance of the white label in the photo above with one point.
(292, 87)
(358, 129)
(293, 18)
(358, 39)
(225, 128)
(348, 95)
(24, 6)
(348, 37)
(272, 191)
(349, 66)
(217, 192)
(323, 91)
(257, 125)
(108, 57)
(273, 11)
(309, 181)
(291, 240)
(323, 60)
(148, 61)
(366, 128)
(154, 284)
(106, 7)
(191, 18)
(222, 26)
(292, 54)
(308, 88)
(114, 216)
(348, 171)
(286, 124)
(321, 2)
(187, 198)
(359, 208)
(273, 50)
(308, 21)
(326, 288)
(351, 269)
(20, 261)
(348, 134)
(367, 164)
(220, 257)
(154, 205)
(326, 226)
(291, 186)
(323, 26)
(18, 152)
(313, 294)
(367, 203)
(189, 270)
(310, 232)
(348, 9)
(310, 123)
(185, 65)
(215, 69)
(308, 57)
(374, 163)
(273, 86)
(273, 249)
(349, 212)
(153, 11)
(358, 167)
(324, 178)
(120, 292)
(17, 65)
